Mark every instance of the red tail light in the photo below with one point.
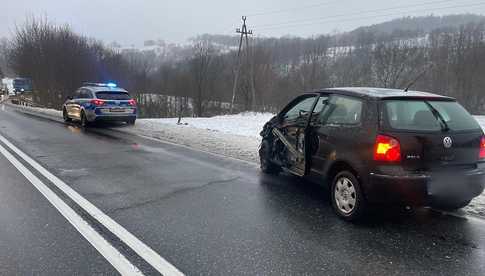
(387, 149)
(132, 102)
(482, 148)
(97, 102)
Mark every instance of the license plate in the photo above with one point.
(445, 183)
(118, 110)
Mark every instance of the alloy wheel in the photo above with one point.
(345, 195)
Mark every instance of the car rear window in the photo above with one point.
(424, 115)
(113, 95)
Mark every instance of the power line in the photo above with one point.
(356, 13)
(366, 17)
(294, 9)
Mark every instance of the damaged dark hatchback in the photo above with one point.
(379, 146)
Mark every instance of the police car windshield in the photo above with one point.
(108, 95)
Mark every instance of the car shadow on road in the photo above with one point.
(416, 232)
(312, 195)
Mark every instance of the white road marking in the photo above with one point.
(111, 254)
(144, 251)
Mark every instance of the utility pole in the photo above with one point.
(244, 34)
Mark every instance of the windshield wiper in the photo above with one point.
(437, 115)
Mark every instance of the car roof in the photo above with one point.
(382, 93)
(104, 89)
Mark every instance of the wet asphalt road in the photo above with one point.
(207, 214)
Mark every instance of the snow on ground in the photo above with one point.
(231, 135)
(247, 124)
(46, 111)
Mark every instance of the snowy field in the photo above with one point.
(236, 136)
(232, 135)
(247, 124)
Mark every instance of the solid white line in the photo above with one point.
(148, 254)
(111, 254)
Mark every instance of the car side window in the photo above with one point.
(343, 111)
(76, 94)
(84, 94)
(319, 109)
(320, 106)
(301, 108)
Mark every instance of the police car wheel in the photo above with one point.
(65, 116)
(84, 120)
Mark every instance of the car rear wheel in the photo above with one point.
(130, 122)
(267, 166)
(347, 197)
(65, 116)
(84, 120)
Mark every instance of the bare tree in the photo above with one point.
(200, 63)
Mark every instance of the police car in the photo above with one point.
(95, 102)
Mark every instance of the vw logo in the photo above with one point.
(447, 142)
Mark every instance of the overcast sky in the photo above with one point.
(130, 22)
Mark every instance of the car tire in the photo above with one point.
(84, 120)
(65, 116)
(131, 122)
(347, 198)
(267, 166)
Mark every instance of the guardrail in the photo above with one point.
(22, 100)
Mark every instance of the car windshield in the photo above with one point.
(421, 115)
(113, 95)
(21, 82)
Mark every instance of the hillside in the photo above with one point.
(421, 24)
(400, 28)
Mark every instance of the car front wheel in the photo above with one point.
(65, 116)
(267, 166)
(347, 197)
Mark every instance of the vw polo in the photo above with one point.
(379, 146)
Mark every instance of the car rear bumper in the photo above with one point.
(113, 118)
(425, 189)
(93, 116)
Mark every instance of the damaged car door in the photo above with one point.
(291, 130)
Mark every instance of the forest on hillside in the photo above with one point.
(197, 79)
